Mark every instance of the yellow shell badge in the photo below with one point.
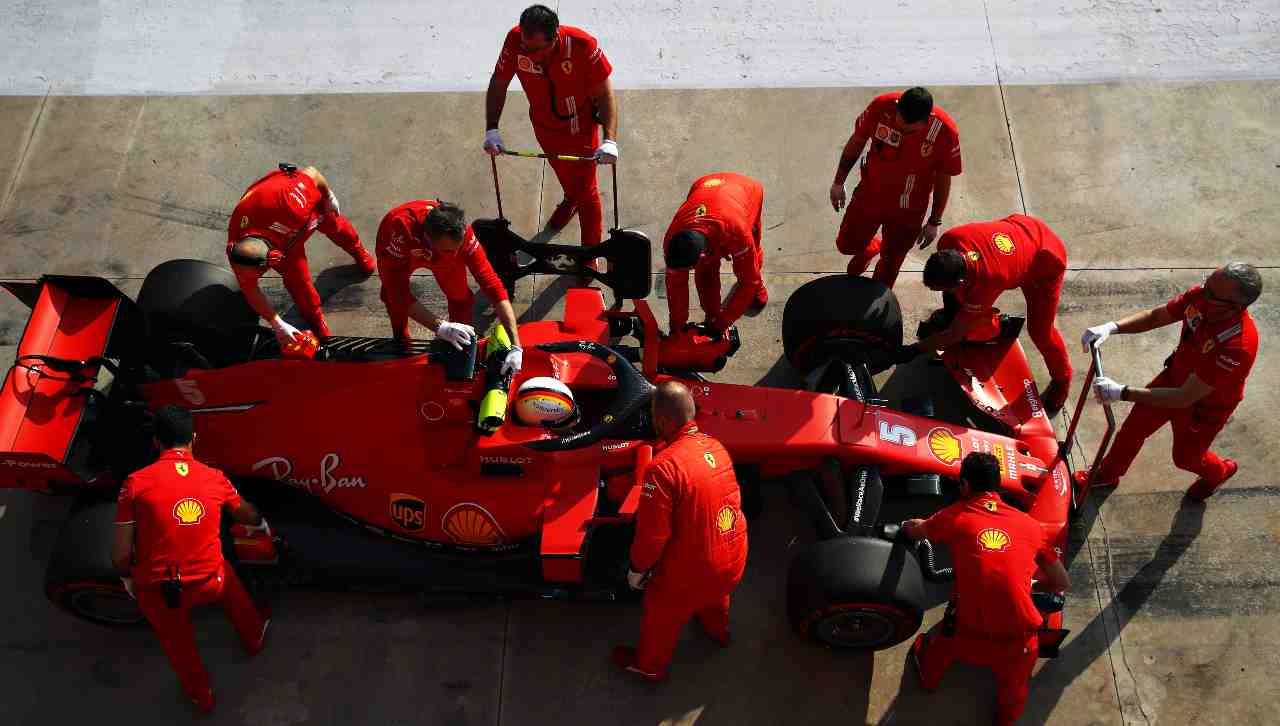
(713, 182)
(711, 459)
(188, 511)
(471, 524)
(182, 468)
(944, 446)
(994, 540)
(1003, 242)
(725, 519)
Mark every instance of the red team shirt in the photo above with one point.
(557, 84)
(899, 168)
(403, 248)
(999, 255)
(279, 207)
(690, 524)
(996, 550)
(175, 506)
(1220, 354)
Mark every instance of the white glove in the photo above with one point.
(128, 586)
(261, 526)
(636, 580)
(1106, 390)
(493, 142)
(285, 332)
(457, 333)
(1097, 335)
(837, 196)
(929, 234)
(607, 153)
(333, 204)
(513, 362)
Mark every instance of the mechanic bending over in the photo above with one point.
(991, 620)
(719, 219)
(690, 547)
(565, 76)
(977, 262)
(431, 234)
(1202, 382)
(168, 519)
(269, 230)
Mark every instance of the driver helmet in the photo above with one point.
(304, 350)
(545, 401)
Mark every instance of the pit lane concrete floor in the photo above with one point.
(1173, 607)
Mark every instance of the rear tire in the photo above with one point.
(199, 303)
(855, 593)
(81, 579)
(859, 310)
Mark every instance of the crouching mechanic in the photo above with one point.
(1200, 386)
(975, 263)
(269, 230)
(720, 219)
(168, 519)
(433, 235)
(991, 619)
(690, 536)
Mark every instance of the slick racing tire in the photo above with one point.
(199, 305)
(855, 593)
(80, 577)
(848, 317)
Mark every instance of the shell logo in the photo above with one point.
(725, 519)
(994, 540)
(471, 524)
(710, 459)
(1003, 242)
(944, 446)
(188, 511)
(182, 468)
(713, 182)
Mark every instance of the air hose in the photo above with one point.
(929, 567)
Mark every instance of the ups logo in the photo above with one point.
(409, 513)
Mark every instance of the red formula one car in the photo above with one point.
(369, 463)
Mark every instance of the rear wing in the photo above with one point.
(76, 325)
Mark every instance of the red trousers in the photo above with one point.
(665, 614)
(1194, 430)
(578, 180)
(296, 273)
(173, 625)
(1011, 660)
(901, 229)
(453, 283)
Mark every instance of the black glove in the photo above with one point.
(904, 354)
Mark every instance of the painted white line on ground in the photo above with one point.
(165, 47)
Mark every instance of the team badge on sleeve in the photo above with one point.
(926, 148)
(701, 211)
(711, 459)
(567, 67)
(990, 505)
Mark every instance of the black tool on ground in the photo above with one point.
(171, 587)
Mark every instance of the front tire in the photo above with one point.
(81, 579)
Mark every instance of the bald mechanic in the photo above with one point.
(690, 546)
(991, 620)
(565, 75)
(975, 263)
(1200, 386)
(433, 235)
(720, 219)
(269, 230)
(915, 150)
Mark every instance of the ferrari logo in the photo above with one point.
(711, 459)
(188, 511)
(1193, 317)
(973, 256)
(725, 519)
(1003, 242)
(244, 222)
(713, 182)
(567, 67)
(701, 211)
(182, 468)
(926, 148)
(944, 446)
(990, 505)
(994, 540)
(1208, 346)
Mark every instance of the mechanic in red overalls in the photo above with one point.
(566, 78)
(269, 230)
(977, 262)
(720, 219)
(991, 620)
(690, 536)
(433, 235)
(167, 525)
(915, 150)
(1201, 384)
